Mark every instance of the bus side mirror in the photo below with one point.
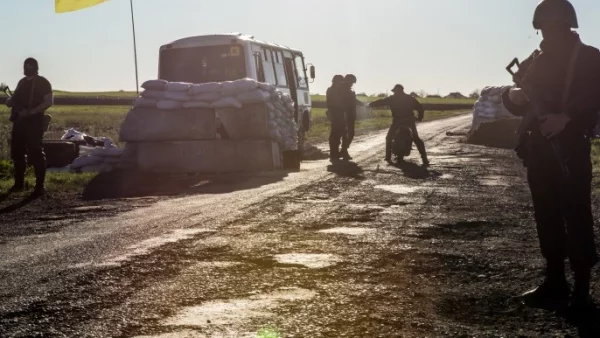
(312, 72)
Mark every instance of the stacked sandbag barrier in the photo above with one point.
(211, 127)
(493, 125)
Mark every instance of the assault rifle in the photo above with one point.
(535, 111)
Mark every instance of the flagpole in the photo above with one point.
(137, 90)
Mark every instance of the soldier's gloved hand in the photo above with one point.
(517, 96)
(9, 103)
(553, 124)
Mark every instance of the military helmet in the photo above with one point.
(350, 78)
(337, 79)
(555, 11)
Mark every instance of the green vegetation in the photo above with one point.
(55, 181)
(315, 98)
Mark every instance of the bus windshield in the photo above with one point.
(203, 64)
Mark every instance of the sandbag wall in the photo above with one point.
(493, 125)
(177, 127)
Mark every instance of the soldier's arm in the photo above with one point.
(329, 99)
(381, 103)
(352, 101)
(48, 98)
(513, 108)
(586, 104)
(419, 108)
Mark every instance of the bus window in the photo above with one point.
(301, 72)
(268, 68)
(280, 71)
(260, 72)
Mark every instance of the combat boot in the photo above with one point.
(19, 176)
(554, 291)
(425, 161)
(549, 295)
(581, 300)
(40, 178)
(344, 155)
(388, 152)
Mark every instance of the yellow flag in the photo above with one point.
(63, 6)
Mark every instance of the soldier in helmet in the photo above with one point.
(336, 108)
(349, 80)
(562, 203)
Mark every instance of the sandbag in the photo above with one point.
(207, 97)
(267, 87)
(234, 88)
(203, 88)
(155, 85)
(107, 152)
(197, 104)
(178, 86)
(227, 102)
(142, 102)
(148, 125)
(168, 104)
(177, 96)
(153, 94)
(84, 161)
(255, 96)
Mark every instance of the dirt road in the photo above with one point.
(362, 249)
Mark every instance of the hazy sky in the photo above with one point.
(445, 45)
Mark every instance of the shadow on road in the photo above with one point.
(16, 206)
(346, 169)
(312, 153)
(413, 170)
(128, 184)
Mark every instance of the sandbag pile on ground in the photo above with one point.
(175, 96)
(489, 107)
(99, 159)
(98, 155)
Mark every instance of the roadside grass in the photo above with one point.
(55, 181)
(315, 98)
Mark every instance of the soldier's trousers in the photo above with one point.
(416, 139)
(338, 129)
(26, 140)
(349, 133)
(562, 206)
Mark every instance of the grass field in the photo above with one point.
(316, 98)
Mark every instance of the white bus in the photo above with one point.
(228, 57)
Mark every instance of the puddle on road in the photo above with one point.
(312, 261)
(397, 188)
(237, 311)
(217, 264)
(447, 177)
(494, 181)
(348, 231)
(146, 246)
